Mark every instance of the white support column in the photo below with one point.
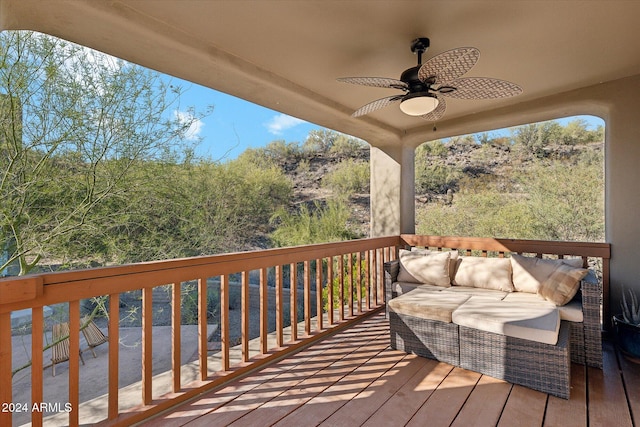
(392, 190)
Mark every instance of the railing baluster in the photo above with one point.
(147, 346)
(330, 290)
(307, 298)
(37, 330)
(202, 328)
(279, 308)
(114, 347)
(74, 362)
(244, 312)
(380, 274)
(319, 295)
(293, 298)
(176, 322)
(341, 286)
(367, 280)
(350, 273)
(224, 321)
(6, 360)
(263, 310)
(358, 281)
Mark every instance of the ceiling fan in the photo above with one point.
(425, 86)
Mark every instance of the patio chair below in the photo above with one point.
(92, 334)
(60, 349)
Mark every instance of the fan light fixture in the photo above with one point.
(418, 104)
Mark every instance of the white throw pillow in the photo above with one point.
(453, 259)
(487, 273)
(430, 268)
(530, 272)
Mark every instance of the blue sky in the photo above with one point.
(236, 125)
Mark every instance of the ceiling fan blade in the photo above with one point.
(376, 105)
(376, 82)
(438, 112)
(482, 88)
(449, 65)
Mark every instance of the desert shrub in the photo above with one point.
(432, 148)
(347, 146)
(349, 177)
(534, 137)
(577, 132)
(348, 281)
(320, 224)
(566, 201)
(436, 178)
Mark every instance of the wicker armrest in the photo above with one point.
(391, 269)
(591, 288)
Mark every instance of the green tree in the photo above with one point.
(87, 121)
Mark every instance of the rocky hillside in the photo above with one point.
(462, 159)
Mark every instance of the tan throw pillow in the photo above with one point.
(562, 284)
(430, 268)
(530, 272)
(487, 273)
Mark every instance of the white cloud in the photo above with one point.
(185, 117)
(282, 122)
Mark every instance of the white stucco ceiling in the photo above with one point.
(286, 55)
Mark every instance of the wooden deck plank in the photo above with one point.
(320, 396)
(631, 377)
(353, 378)
(303, 377)
(485, 404)
(446, 402)
(607, 399)
(572, 412)
(399, 409)
(217, 398)
(524, 408)
(358, 410)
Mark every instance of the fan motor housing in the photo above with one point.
(410, 77)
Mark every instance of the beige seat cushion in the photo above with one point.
(426, 268)
(535, 322)
(426, 304)
(530, 272)
(478, 292)
(487, 273)
(571, 311)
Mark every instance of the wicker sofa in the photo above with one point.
(490, 315)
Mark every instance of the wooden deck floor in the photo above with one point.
(354, 379)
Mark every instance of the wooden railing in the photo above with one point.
(347, 286)
(352, 269)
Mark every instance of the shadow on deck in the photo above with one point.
(353, 378)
